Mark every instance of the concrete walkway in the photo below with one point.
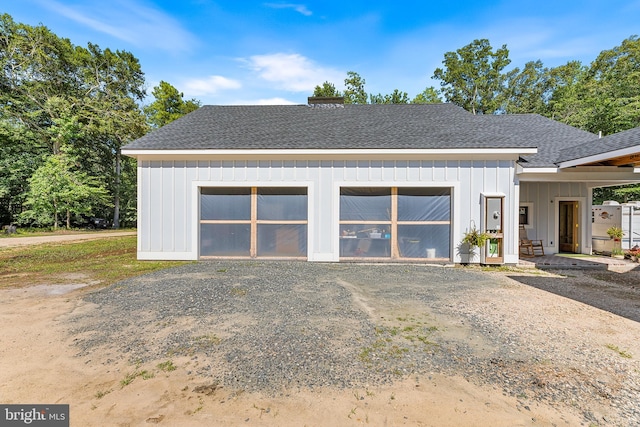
(568, 261)
(8, 242)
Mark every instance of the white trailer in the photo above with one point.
(613, 214)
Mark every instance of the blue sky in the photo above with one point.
(276, 52)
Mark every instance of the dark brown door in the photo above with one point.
(568, 227)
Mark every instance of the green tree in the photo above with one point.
(603, 97)
(528, 90)
(168, 106)
(57, 192)
(38, 72)
(627, 193)
(116, 84)
(60, 186)
(621, 193)
(564, 102)
(46, 80)
(428, 96)
(20, 156)
(397, 97)
(354, 92)
(612, 88)
(473, 76)
(327, 89)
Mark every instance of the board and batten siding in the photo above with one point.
(168, 203)
(543, 199)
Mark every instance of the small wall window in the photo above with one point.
(526, 215)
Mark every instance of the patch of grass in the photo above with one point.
(103, 261)
(365, 355)
(167, 366)
(239, 292)
(128, 379)
(377, 349)
(352, 412)
(424, 339)
(146, 375)
(622, 353)
(575, 255)
(47, 231)
(199, 343)
(504, 268)
(200, 407)
(390, 341)
(206, 341)
(396, 351)
(102, 393)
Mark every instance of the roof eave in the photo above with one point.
(600, 157)
(382, 154)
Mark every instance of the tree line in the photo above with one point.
(65, 113)
(602, 97)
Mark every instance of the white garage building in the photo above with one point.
(332, 182)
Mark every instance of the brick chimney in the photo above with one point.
(326, 101)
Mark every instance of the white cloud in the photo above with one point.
(273, 101)
(261, 101)
(130, 21)
(300, 8)
(209, 86)
(292, 72)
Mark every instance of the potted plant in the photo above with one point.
(475, 238)
(634, 253)
(472, 239)
(615, 233)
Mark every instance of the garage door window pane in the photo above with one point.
(225, 204)
(225, 239)
(365, 204)
(424, 241)
(287, 240)
(424, 204)
(365, 240)
(279, 204)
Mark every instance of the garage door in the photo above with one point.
(395, 223)
(249, 222)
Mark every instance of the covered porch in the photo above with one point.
(555, 198)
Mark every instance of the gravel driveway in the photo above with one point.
(279, 326)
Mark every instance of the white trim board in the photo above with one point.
(341, 154)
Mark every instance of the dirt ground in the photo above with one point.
(39, 364)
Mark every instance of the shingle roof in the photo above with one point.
(548, 136)
(395, 126)
(617, 141)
